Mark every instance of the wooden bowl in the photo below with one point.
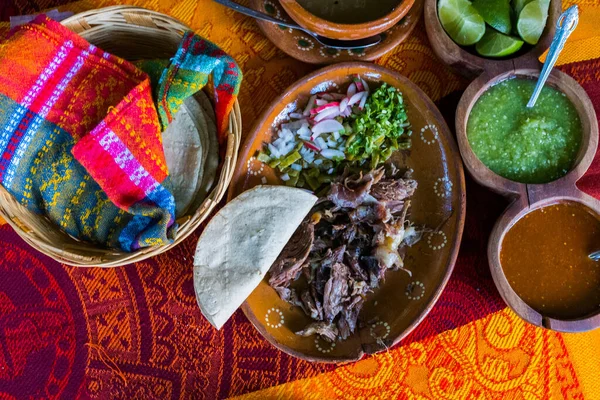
(528, 197)
(341, 31)
(403, 301)
(471, 65)
(514, 213)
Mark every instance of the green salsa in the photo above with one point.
(536, 145)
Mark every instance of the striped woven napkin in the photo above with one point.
(80, 136)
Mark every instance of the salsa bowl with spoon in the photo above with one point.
(539, 249)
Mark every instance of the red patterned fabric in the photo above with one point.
(136, 331)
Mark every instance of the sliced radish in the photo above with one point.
(329, 113)
(310, 105)
(344, 105)
(347, 113)
(331, 154)
(356, 98)
(365, 86)
(321, 102)
(311, 146)
(359, 85)
(324, 107)
(327, 126)
(337, 96)
(351, 90)
(363, 100)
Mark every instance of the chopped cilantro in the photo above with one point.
(381, 128)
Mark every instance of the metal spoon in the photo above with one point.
(595, 256)
(334, 43)
(564, 27)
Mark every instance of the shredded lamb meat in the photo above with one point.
(288, 265)
(344, 247)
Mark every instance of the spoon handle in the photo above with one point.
(255, 14)
(564, 27)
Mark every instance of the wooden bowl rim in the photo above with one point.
(444, 130)
(451, 53)
(509, 218)
(485, 176)
(340, 31)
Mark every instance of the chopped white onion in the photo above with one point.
(274, 152)
(321, 143)
(331, 154)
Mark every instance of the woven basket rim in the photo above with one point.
(57, 245)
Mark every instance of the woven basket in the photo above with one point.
(132, 33)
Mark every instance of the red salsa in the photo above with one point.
(545, 259)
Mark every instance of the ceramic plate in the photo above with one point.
(303, 47)
(439, 204)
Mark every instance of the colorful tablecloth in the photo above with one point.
(136, 331)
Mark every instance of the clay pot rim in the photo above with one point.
(340, 31)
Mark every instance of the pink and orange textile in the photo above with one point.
(136, 332)
(81, 138)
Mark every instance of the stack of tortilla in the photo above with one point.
(192, 153)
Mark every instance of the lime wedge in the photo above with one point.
(496, 13)
(461, 21)
(495, 44)
(532, 21)
(518, 5)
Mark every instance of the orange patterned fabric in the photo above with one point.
(499, 356)
(136, 332)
